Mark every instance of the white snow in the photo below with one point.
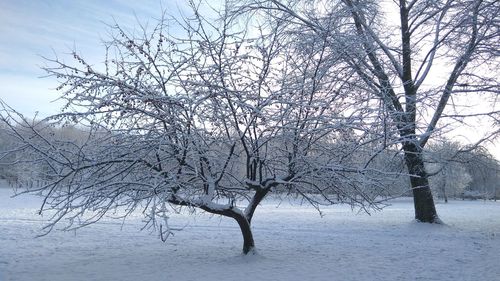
(294, 243)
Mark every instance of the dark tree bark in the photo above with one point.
(243, 223)
(443, 189)
(231, 212)
(246, 231)
(425, 210)
(259, 195)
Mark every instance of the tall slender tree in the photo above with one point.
(420, 59)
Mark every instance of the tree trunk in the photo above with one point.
(444, 190)
(257, 198)
(243, 222)
(246, 231)
(232, 212)
(425, 210)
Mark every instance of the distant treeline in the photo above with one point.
(456, 171)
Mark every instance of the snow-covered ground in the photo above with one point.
(294, 243)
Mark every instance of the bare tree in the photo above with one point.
(466, 171)
(6, 143)
(423, 67)
(212, 119)
(446, 163)
(484, 171)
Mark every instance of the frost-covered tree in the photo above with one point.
(14, 166)
(212, 118)
(461, 171)
(6, 143)
(423, 61)
(448, 175)
(484, 170)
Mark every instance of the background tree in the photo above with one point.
(213, 119)
(484, 170)
(424, 66)
(448, 174)
(461, 171)
(6, 144)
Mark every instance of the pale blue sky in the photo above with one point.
(30, 29)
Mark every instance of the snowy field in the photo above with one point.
(294, 243)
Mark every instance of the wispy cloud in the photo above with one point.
(31, 29)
